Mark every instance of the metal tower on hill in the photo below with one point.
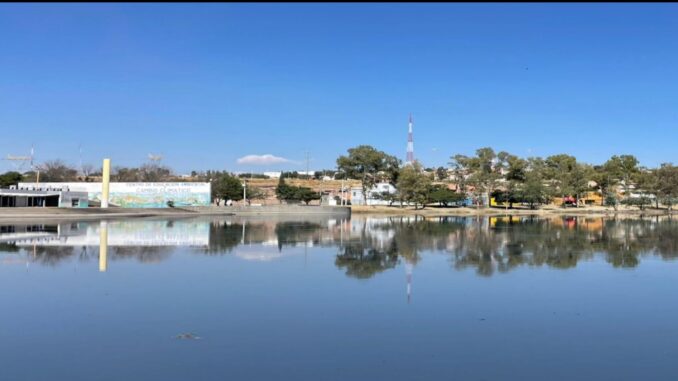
(410, 144)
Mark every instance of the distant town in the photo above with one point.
(364, 176)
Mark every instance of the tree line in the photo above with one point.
(510, 179)
(59, 171)
(507, 178)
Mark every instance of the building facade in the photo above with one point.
(61, 197)
(139, 195)
(374, 195)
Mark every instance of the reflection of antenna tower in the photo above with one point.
(410, 143)
(408, 271)
(20, 162)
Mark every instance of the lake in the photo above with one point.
(366, 298)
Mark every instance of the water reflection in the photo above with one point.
(365, 246)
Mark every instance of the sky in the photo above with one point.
(258, 87)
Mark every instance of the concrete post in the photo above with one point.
(105, 180)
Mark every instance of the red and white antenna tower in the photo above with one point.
(410, 143)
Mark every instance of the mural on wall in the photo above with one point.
(144, 195)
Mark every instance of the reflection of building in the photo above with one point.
(120, 233)
(365, 246)
(36, 233)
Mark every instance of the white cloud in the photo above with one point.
(267, 159)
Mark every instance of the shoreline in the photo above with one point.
(24, 214)
(474, 212)
(51, 214)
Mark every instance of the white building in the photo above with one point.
(373, 195)
(273, 175)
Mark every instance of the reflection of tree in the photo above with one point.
(51, 256)
(291, 233)
(666, 242)
(223, 237)
(478, 248)
(506, 243)
(361, 262)
(143, 254)
(367, 246)
(8, 247)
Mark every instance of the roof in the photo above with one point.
(29, 193)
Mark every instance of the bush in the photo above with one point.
(640, 202)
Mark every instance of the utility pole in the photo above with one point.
(80, 159)
(307, 163)
(343, 197)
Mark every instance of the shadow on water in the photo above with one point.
(365, 246)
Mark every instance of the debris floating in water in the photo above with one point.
(187, 336)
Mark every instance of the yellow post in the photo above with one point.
(105, 180)
(103, 246)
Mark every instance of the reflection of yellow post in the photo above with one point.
(105, 179)
(103, 246)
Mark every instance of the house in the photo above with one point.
(374, 195)
(273, 175)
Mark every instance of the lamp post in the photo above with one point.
(244, 192)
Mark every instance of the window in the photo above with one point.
(75, 202)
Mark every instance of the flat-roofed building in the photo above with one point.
(18, 197)
(139, 195)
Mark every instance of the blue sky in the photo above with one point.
(207, 84)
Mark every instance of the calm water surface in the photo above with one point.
(326, 299)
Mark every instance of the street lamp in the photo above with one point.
(244, 192)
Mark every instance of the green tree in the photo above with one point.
(306, 194)
(647, 182)
(577, 182)
(516, 172)
(226, 187)
(414, 185)
(534, 192)
(566, 176)
(606, 182)
(10, 178)
(367, 164)
(623, 169)
(441, 174)
(557, 170)
(482, 171)
(283, 191)
(287, 193)
(667, 177)
(460, 171)
(444, 196)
